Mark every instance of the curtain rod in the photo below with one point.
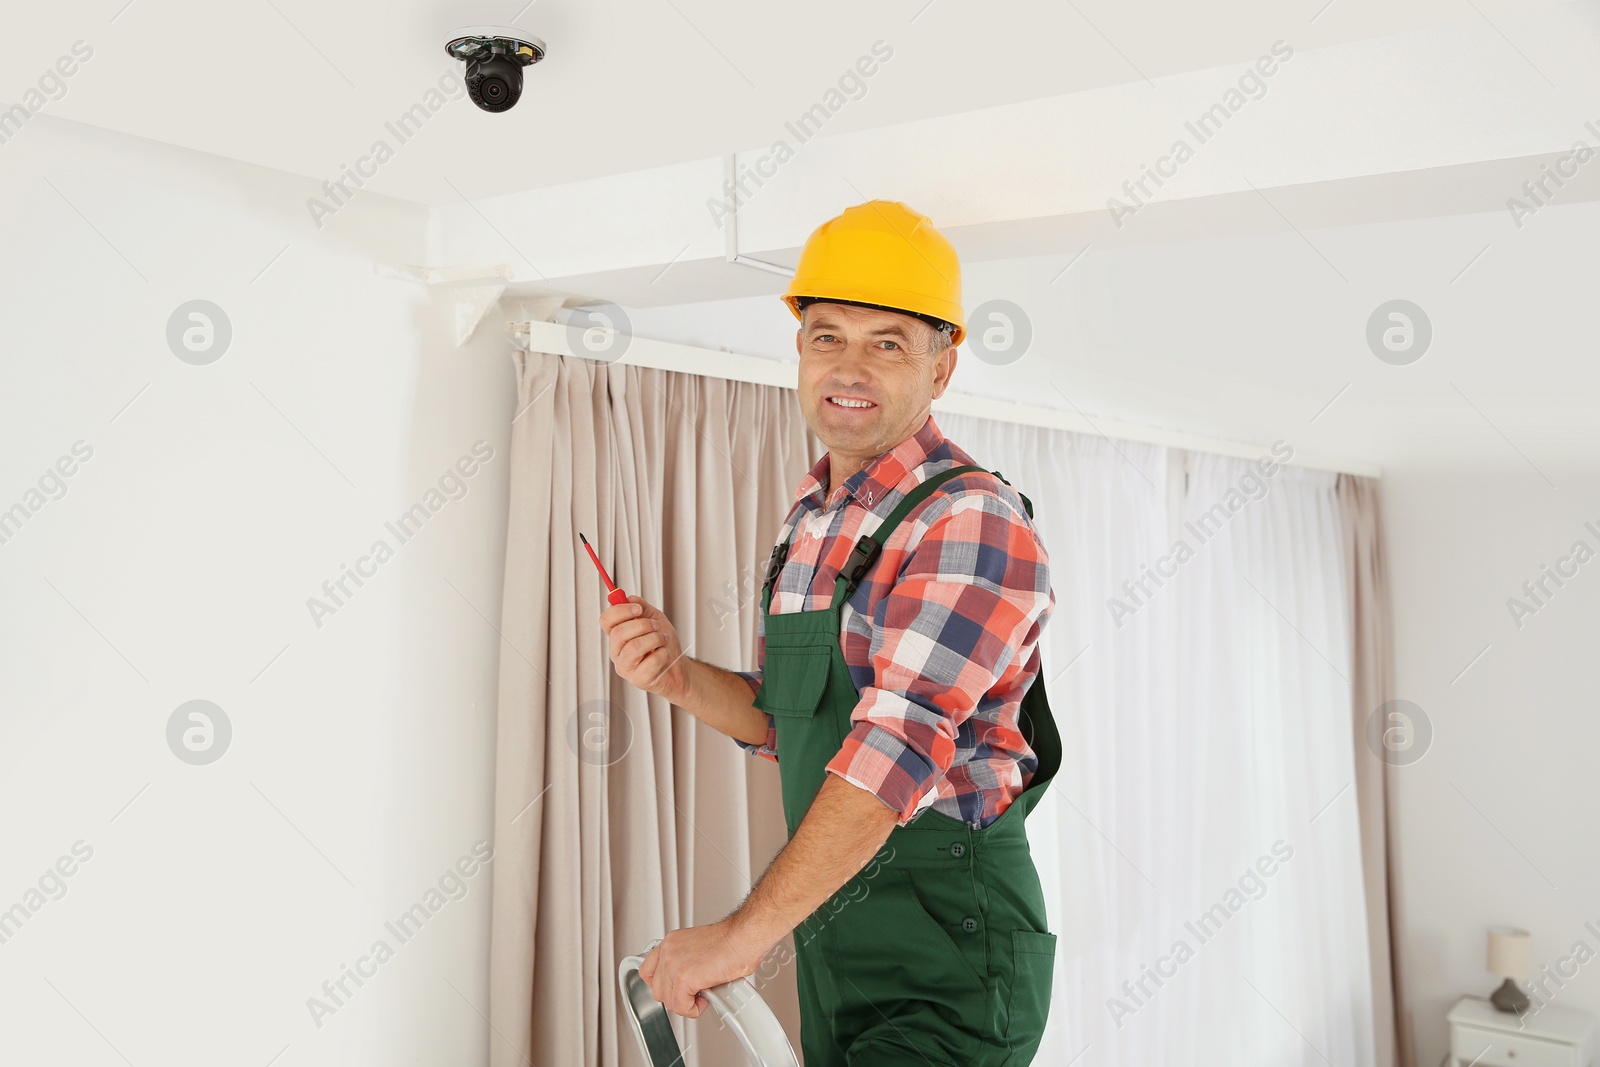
(536, 336)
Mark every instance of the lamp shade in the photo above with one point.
(1510, 952)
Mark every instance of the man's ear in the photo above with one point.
(946, 364)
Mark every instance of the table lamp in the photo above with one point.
(1511, 957)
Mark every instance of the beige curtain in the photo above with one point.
(1372, 645)
(617, 816)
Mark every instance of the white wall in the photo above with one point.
(1497, 821)
(177, 565)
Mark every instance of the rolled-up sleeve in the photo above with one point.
(768, 748)
(973, 594)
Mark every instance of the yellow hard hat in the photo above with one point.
(881, 254)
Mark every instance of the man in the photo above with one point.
(898, 692)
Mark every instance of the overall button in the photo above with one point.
(969, 924)
(957, 849)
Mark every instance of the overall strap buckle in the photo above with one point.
(775, 565)
(855, 568)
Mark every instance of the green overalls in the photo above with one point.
(937, 951)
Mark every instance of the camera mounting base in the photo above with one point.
(479, 42)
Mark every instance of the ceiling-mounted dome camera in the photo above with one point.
(495, 56)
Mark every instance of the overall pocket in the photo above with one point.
(1033, 966)
(792, 680)
(945, 907)
(904, 982)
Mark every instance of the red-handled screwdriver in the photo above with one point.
(615, 596)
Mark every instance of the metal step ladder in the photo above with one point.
(736, 1003)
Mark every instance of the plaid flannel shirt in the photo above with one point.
(941, 636)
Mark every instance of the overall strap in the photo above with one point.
(867, 546)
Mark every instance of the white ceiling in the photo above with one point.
(307, 87)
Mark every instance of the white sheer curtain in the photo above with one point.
(1199, 849)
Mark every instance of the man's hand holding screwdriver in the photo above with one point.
(645, 651)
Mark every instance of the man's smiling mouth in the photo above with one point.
(851, 403)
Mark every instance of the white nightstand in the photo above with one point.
(1485, 1036)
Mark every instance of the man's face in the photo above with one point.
(865, 354)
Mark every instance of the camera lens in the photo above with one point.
(494, 82)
